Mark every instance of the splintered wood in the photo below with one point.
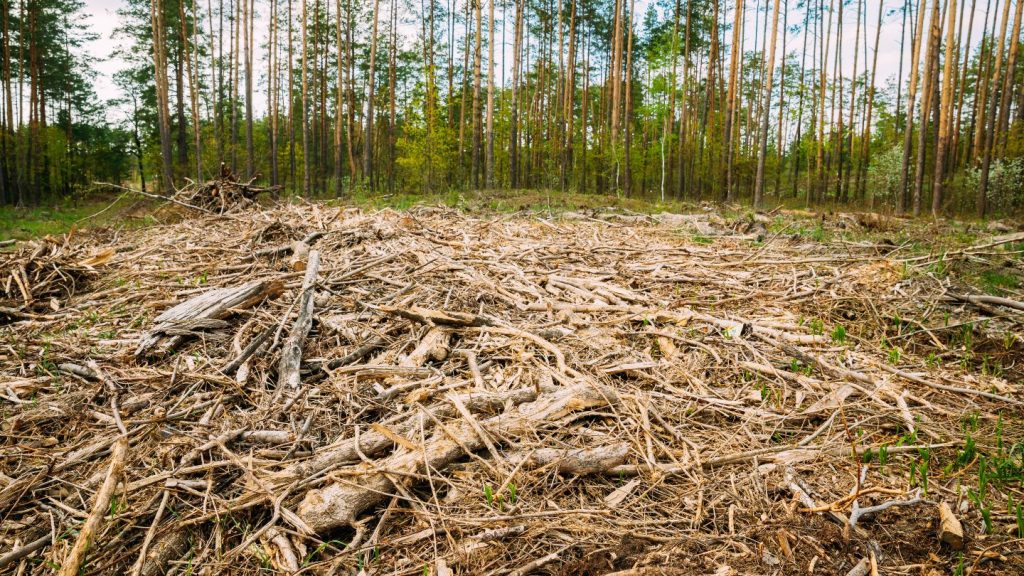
(317, 390)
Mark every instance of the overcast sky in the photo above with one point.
(103, 19)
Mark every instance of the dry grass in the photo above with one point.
(588, 394)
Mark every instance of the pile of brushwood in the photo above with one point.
(222, 194)
(316, 390)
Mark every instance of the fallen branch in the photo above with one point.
(341, 502)
(100, 508)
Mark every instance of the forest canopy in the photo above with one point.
(699, 100)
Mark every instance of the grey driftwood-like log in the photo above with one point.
(574, 461)
(291, 352)
(168, 329)
(364, 485)
(373, 443)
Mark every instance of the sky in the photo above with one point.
(103, 19)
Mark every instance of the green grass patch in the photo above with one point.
(35, 222)
(996, 282)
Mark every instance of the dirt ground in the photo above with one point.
(331, 390)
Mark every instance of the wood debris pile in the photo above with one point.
(37, 276)
(222, 194)
(327, 391)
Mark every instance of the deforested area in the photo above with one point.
(311, 389)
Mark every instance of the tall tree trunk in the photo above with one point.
(249, 153)
(371, 74)
(339, 115)
(304, 117)
(1008, 84)
(779, 158)
(513, 151)
(477, 124)
(193, 88)
(865, 152)
(944, 111)
(955, 146)
(908, 131)
(489, 160)
(769, 72)
(730, 105)
(986, 154)
(392, 105)
(568, 98)
(628, 176)
(162, 106)
(930, 73)
(273, 93)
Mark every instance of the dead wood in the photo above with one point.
(191, 314)
(341, 502)
(493, 394)
(291, 353)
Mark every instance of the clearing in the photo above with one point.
(334, 390)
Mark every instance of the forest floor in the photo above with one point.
(507, 388)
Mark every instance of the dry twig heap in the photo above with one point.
(328, 391)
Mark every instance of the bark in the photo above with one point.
(908, 131)
(730, 106)
(944, 112)
(769, 72)
(1002, 125)
(367, 484)
(163, 112)
(371, 75)
(514, 121)
(489, 160)
(986, 155)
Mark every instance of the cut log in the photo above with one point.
(199, 311)
(299, 257)
(291, 352)
(433, 346)
(99, 509)
(950, 530)
(439, 317)
(374, 443)
(574, 461)
(367, 484)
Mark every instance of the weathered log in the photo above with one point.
(367, 484)
(213, 305)
(951, 532)
(574, 461)
(373, 443)
(433, 345)
(99, 509)
(291, 352)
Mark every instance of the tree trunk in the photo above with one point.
(1008, 84)
(247, 23)
(513, 150)
(304, 118)
(908, 131)
(944, 112)
(769, 72)
(476, 123)
(371, 74)
(628, 172)
(930, 72)
(163, 112)
(489, 160)
(730, 105)
(986, 154)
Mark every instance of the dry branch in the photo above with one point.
(340, 503)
